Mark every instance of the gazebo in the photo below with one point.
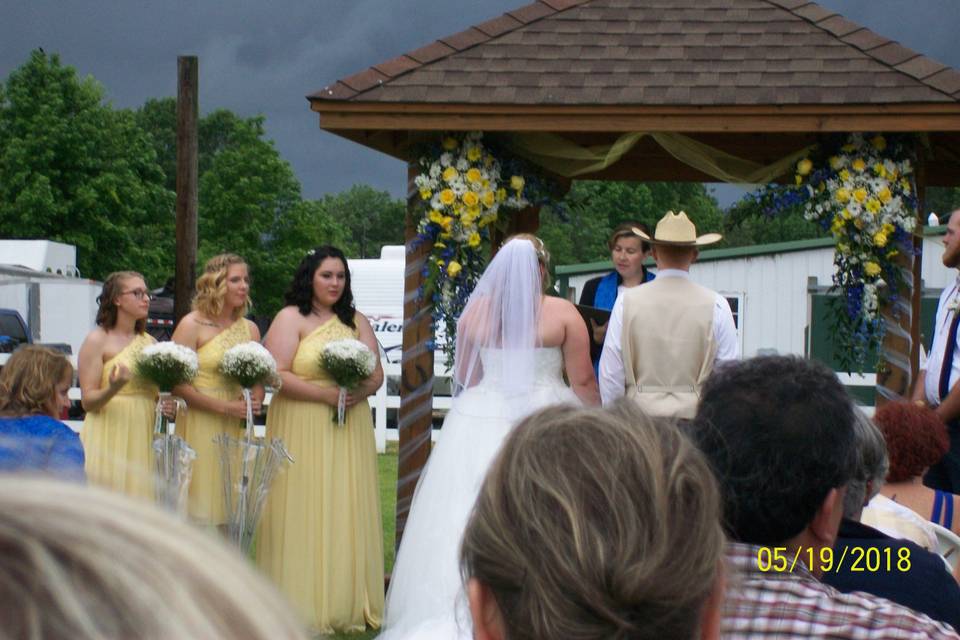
(645, 90)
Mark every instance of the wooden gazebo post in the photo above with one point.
(416, 376)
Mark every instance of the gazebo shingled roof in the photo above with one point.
(657, 52)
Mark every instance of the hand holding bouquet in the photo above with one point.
(166, 364)
(249, 364)
(349, 362)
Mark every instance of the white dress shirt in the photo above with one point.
(938, 348)
(612, 376)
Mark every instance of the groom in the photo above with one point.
(665, 337)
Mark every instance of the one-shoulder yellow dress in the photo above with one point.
(199, 427)
(321, 538)
(118, 438)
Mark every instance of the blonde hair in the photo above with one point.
(112, 289)
(29, 379)
(594, 523)
(543, 255)
(212, 286)
(80, 562)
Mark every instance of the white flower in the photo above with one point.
(462, 164)
(445, 159)
(348, 361)
(435, 170)
(249, 364)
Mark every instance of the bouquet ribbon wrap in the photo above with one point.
(341, 405)
(161, 425)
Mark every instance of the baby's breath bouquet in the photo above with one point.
(348, 362)
(167, 364)
(249, 364)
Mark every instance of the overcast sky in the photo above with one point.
(263, 57)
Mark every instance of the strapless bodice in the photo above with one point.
(547, 365)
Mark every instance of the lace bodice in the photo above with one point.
(210, 355)
(547, 368)
(306, 361)
(128, 356)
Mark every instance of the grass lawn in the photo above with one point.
(387, 464)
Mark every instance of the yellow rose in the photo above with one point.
(873, 206)
(446, 235)
(837, 227)
(450, 143)
(880, 170)
(425, 194)
(446, 222)
(453, 268)
(843, 247)
(501, 194)
(471, 199)
(879, 143)
(517, 182)
(892, 254)
(473, 154)
(860, 194)
(846, 214)
(858, 165)
(474, 239)
(804, 166)
(884, 194)
(798, 179)
(474, 175)
(439, 245)
(436, 216)
(845, 175)
(887, 228)
(858, 223)
(847, 148)
(488, 198)
(843, 195)
(835, 163)
(450, 174)
(880, 239)
(447, 196)
(871, 269)
(473, 211)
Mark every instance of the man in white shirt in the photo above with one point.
(665, 337)
(937, 382)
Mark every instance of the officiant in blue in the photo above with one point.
(627, 252)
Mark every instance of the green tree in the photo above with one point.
(942, 201)
(746, 223)
(73, 169)
(372, 219)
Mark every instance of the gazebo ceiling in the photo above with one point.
(722, 71)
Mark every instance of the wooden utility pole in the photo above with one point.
(188, 115)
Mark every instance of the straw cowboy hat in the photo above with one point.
(676, 229)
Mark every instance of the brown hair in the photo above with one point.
(212, 286)
(82, 562)
(916, 438)
(543, 255)
(28, 382)
(625, 230)
(594, 523)
(112, 289)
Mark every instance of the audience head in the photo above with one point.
(35, 381)
(916, 438)
(126, 290)
(225, 280)
(82, 563)
(870, 468)
(323, 269)
(595, 524)
(778, 431)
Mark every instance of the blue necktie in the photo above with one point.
(947, 365)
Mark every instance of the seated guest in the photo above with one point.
(594, 523)
(33, 391)
(778, 432)
(627, 252)
(916, 440)
(80, 562)
(926, 586)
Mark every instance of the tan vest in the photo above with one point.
(668, 345)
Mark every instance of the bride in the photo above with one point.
(513, 346)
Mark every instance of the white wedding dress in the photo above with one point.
(426, 598)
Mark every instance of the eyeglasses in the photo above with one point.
(139, 294)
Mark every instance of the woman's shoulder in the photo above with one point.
(553, 304)
(38, 423)
(97, 337)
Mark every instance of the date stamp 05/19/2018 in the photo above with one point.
(853, 559)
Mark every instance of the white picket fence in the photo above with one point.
(379, 404)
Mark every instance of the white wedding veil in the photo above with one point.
(499, 329)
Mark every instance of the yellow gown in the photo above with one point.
(321, 538)
(118, 438)
(199, 427)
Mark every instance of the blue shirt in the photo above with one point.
(40, 444)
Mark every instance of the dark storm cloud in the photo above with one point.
(260, 57)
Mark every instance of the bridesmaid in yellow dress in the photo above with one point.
(117, 432)
(321, 538)
(214, 404)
